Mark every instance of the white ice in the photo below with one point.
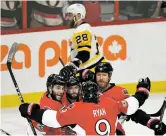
(13, 123)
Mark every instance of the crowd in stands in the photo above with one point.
(47, 13)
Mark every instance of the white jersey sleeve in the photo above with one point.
(129, 105)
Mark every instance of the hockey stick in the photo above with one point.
(12, 52)
(160, 111)
(6, 133)
(63, 64)
(163, 110)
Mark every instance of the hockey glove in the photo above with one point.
(75, 63)
(67, 72)
(68, 131)
(144, 83)
(142, 91)
(88, 75)
(71, 69)
(27, 109)
(159, 129)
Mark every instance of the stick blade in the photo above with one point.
(12, 52)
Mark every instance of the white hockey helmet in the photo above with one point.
(77, 9)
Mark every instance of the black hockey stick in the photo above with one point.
(160, 111)
(63, 64)
(6, 133)
(12, 52)
(163, 110)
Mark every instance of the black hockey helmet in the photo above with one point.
(58, 80)
(73, 81)
(105, 67)
(50, 79)
(90, 92)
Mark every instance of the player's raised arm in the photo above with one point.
(130, 105)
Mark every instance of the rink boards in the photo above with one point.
(135, 51)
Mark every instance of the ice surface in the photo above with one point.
(13, 123)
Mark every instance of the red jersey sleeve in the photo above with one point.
(120, 93)
(128, 106)
(122, 106)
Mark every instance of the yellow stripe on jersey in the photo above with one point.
(91, 60)
(84, 49)
(93, 68)
(82, 38)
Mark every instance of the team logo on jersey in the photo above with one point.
(63, 109)
(71, 106)
(124, 103)
(125, 92)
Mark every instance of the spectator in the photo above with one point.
(48, 13)
(130, 9)
(10, 15)
(107, 11)
(159, 11)
(149, 8)
(163, 9)
(140, 9)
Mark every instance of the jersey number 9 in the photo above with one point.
(81, 38)
(107, 129)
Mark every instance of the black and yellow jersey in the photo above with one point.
(85, 47)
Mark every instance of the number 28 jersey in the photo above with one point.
(83, 39)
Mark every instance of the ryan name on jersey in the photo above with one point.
(99, 112)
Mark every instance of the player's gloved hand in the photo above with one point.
(71, 69)
(159, 129)
(68, 131)
(88, 75)
(75, 63)
(144, 86)
(27, 109)
(67, 71)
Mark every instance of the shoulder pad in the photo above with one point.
(83, 27)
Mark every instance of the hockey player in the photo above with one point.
(73, 92)
(52, 100)
(103, 73)
(85, 51)
(100, 116)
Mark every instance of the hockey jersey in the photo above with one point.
(83, 39)
(101, 117)
(48, 103)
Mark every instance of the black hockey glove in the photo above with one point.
(159, 129)
(88, 75)
(67, 72)
(70, 69)
(31, 111)
(68, 131)
(144, 83)
(142, 91)
(27, 109)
